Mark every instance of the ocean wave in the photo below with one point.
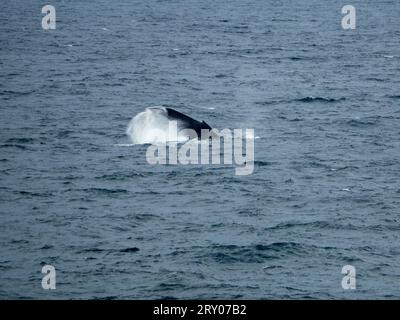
(260, 163)
(120, 175)
(99, 190)
(259, 253)
(99, 250)
(13, 145)
(363, 122)
(310, 99)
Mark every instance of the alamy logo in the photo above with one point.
(195, 151)
(349, 280)
(49, 20)
(49, 280)
(349, 20)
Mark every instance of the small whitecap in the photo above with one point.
(105, 29)
(388, 56)
(123, 145)
(346, 189)
(211, 108)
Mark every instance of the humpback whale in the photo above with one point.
(186, 122)
(153, 125)
(172, 135)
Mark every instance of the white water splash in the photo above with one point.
(152, 126)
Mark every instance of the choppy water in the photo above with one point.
(325, 191)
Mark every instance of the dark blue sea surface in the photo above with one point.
(325, 190)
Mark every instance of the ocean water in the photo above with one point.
(325, 189)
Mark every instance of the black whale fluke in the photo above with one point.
(187, 122)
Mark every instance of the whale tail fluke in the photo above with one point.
(152, 125)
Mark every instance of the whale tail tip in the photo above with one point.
(207, 126)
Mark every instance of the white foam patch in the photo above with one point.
(123, 145)
(152, 127)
